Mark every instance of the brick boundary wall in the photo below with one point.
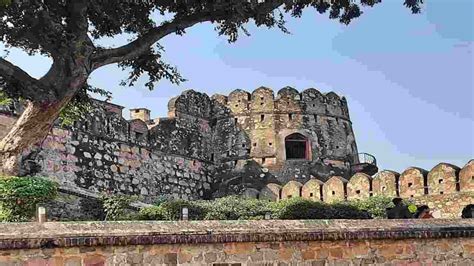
(273, 242)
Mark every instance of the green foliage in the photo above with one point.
(50, 28)
(347, 211)
(4, 100)
(172, 209)
(19, 197)
(5, 3)
(81, 105)
(375, 205)
(74, 111)
(161, 199)
(115, 206)
(299, 208)
(151, 213)
(235, 208)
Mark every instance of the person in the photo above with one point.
(400, 211)
(423, 212)
(468, 211)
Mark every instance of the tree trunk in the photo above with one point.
(31, 128)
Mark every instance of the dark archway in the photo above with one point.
(297, 147)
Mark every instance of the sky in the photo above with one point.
(408, 79)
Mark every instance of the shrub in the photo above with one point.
(161, 199)
(299, 208)
(375, 205)
(151, 213)
(19, 197)
(235, 208)
(115, 206)
(172, 209)
(348, 211)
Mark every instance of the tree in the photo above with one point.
(65, 31)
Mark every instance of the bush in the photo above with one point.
(299, 208)
(375, 205)
(227, 208)
(235, 208)
(171, 210)
(161, 199)
(347, 211)
(19, 197)
(151, 213)
(115, 206)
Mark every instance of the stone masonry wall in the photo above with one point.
(447, 189)
(220, 145)
(106, 153)
(323, 120)
(383, 242)
(207, 146)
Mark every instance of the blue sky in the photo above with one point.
(407, 78)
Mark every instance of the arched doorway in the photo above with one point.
(297, 147)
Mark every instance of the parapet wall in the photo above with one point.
(315, 242)
(446, 187)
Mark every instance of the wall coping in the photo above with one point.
(75, 234)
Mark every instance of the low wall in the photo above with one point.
(301, 242)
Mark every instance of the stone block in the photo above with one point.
(312, 190)
(334, 189)
(412, 182)
(291, 189)
(442, 179)
(358, 187)
(384, 183)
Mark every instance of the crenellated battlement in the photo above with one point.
(436, 187)
(261, 101)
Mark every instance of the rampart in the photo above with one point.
(310, 242)
(207, 146)
(446, 188)
(243, 143)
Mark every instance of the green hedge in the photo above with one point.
(19, 197)
(299, 208)
(236, 208)
(115, 206)
(375, 205)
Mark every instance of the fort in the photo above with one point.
(294, 144)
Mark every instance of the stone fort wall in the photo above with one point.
(328, 242)
(445, 188)
(207, 146)
(265, 121)
(105, 152)
(215, 146)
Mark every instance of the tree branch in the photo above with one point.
(77, 20)
(143, 43)
(19, 84)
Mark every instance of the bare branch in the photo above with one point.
(19, 84)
